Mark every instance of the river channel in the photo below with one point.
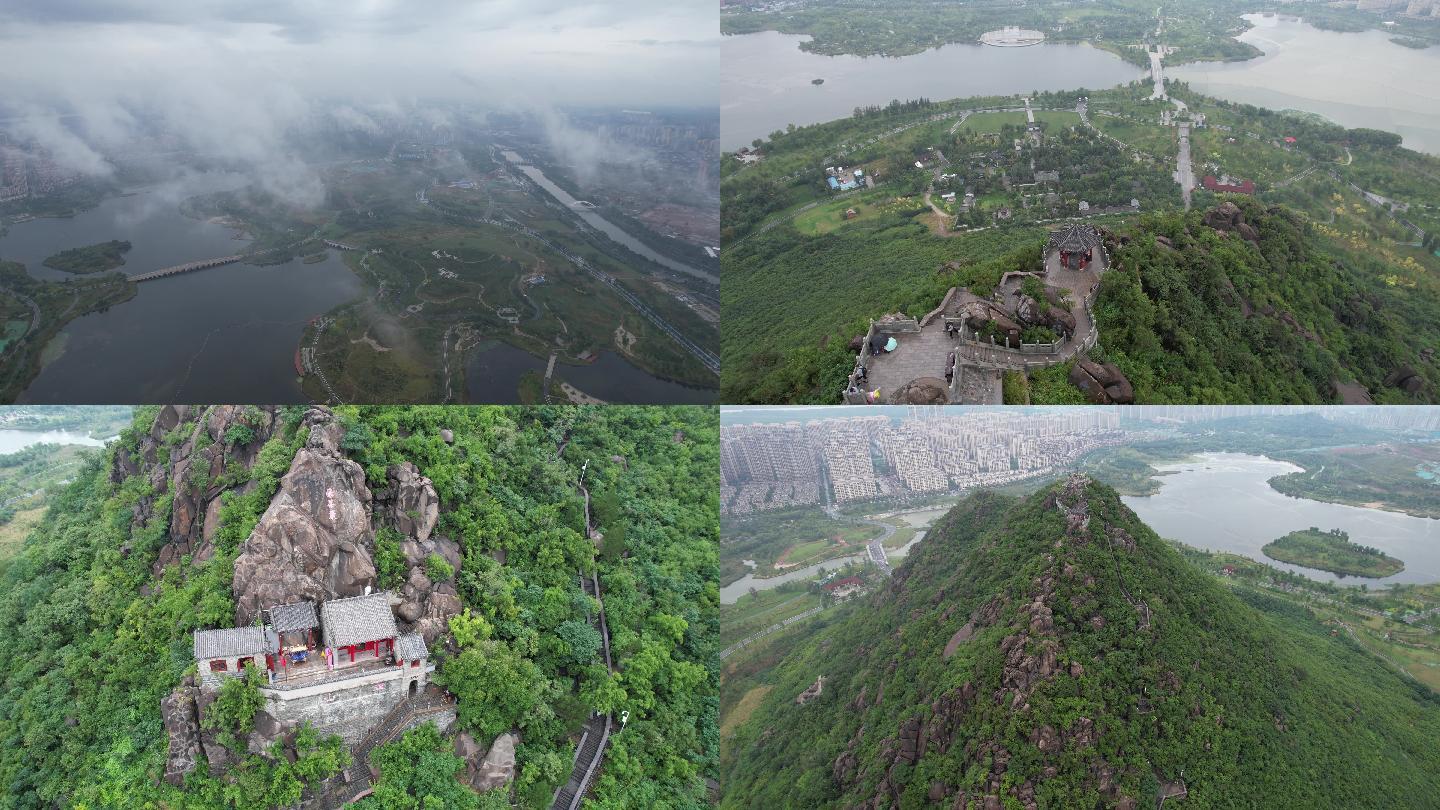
(1354, 79)
(601, 224)
(1222, 502)
(766, 80)
(13, 441)
(227, 334)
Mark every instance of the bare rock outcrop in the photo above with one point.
(1406, 378)
(1102, 384)
(186, 455)
(314, 540)
(182, 726)
(409, 501)
(497, 769)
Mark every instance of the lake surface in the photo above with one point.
(1354, 79)
(731, 593)
(494, 371)
(1222, 502)
(12, 441)
(227, 334)
(601, 224)
(765, 79)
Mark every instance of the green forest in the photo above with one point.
(1332, 551)
(1052, 651)
(1277, 319)
(96, 258)
(95, 639)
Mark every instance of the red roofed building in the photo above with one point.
(1289, 139)
(842, 588)
(1244, 187)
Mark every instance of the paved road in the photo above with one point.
(1184, 175)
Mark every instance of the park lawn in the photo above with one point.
(802, 552)
(902, 535)
(831, 215)
(1056, 119)
(992, 122)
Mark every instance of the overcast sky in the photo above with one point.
(235, 75)
(606, 51)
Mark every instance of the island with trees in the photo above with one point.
(1332, 551)
(97, 258)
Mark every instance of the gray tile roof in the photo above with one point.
(358, 619)
(289, 618)
(234, 641)
(410, 647)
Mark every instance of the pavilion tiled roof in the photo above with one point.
(234, 641)
(297, 616)
(358, 619)
(410, 647)
(1074, 238)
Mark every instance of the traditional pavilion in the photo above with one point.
(294, 626)
(1075, 244)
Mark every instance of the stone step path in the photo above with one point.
(587, 758)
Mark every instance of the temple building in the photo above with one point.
(219, 653)
(1075, 245)
(341, 668)
(298, 649)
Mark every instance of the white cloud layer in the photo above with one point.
(236, 79)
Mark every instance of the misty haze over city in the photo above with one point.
(248, 83)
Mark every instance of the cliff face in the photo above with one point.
(185, 454)
(315, 540)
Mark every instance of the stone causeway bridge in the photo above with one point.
(203, 264)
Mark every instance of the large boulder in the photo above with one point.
(410, 501)
(1102, 384)
(1406, 378)
(498, 767)
(924, 391)
(314, 540)
(1224, 217)
(217, 755)
(182, 726)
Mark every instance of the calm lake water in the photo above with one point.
(227, 334)
(12, 441)
(1354, 79)
(1221, 502)
(493, 375)
(765, 79)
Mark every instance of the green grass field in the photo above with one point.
(992, 122)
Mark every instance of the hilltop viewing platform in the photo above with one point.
(958, 353)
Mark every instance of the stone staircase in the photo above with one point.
(587, 759)
(357, 779)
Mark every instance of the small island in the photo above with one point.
(1332, 551)
(97, 258)
(817, 81)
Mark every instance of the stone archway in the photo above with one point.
(414, 688)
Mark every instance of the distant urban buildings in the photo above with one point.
(776, 465)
